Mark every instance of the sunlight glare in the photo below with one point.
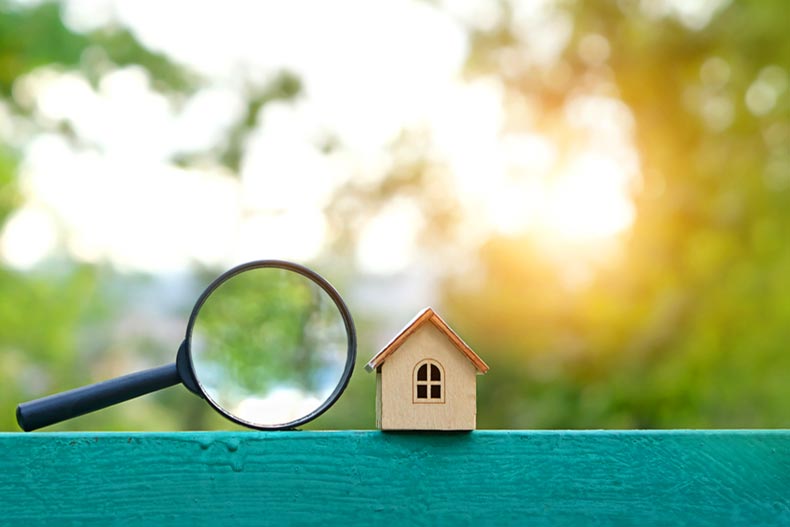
(125, 200)
(291, 235)
(28, 237)
(387, 243)
(589, 201)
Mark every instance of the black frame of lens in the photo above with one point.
(315, 278)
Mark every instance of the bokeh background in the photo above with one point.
(594, 195)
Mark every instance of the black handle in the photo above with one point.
(53, 409)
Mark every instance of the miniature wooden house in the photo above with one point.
(426, 378)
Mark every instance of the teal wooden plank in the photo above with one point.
(362, 478)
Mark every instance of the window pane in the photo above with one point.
(422, 373)
(422, 391)
(436, 391)
(435, 375)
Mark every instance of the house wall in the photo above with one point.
(378, 399)
(398, 411)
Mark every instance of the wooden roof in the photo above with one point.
(423, 317)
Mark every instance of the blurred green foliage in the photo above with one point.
(50, 319)
(688, 328)
(35, 36)
(264, 330)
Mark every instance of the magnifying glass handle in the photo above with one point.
(53, 409)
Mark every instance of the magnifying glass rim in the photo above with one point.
(317, 279)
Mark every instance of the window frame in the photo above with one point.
(429, 382)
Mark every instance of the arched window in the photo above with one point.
(428, 382)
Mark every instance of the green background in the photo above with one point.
(688, 329)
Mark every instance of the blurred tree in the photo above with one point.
(685, 328)
(46, 315)
(48, 346)
(690, 328)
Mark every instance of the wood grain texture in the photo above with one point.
(700, 478)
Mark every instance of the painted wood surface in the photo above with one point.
(375, 478)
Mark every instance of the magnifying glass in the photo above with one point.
(269, 344)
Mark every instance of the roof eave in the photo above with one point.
(427, 314)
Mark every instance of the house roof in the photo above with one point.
(425, 316)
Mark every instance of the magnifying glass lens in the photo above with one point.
(269, 347)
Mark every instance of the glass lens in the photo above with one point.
(269, 346)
